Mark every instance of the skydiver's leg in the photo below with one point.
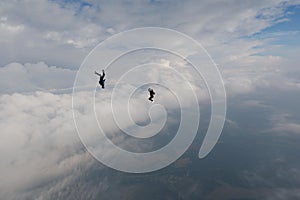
(103, 82)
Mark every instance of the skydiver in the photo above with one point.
(152, 93)
(102, 80)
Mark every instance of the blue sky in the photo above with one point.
(292, 14)
(287, 32)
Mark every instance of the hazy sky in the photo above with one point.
(255, 45)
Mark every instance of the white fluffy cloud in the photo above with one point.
(43, 30)
(62, 33)
(39, 143)
(16, 77)
(39, 140)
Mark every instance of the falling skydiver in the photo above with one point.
(102, 80)
(152, 93)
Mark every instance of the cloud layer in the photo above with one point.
(44, 42)
(62, 33)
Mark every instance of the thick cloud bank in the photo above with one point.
(40, 150)
(16, 77)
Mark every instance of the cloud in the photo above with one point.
(282, 184)
(39, 140)
(284, 193)
(284, 124)
(63, 32)
(16, 77)
(288, 127)
(37, 127)
(42, 30)
(39, 143)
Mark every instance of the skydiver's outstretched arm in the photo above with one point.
(97, 73)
